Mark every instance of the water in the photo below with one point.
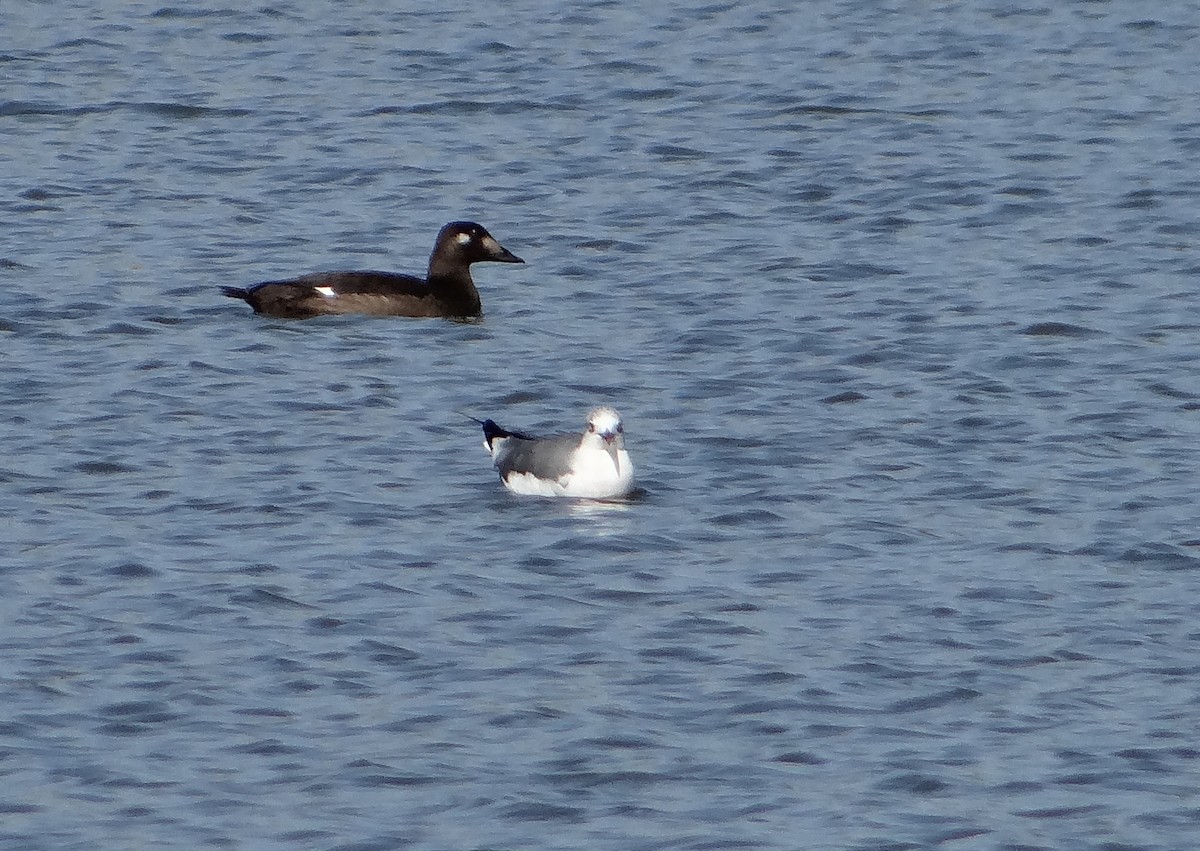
(898, 303)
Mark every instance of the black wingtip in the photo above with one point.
(491, 431)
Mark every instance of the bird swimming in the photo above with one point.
(591, 465)
(447, 290)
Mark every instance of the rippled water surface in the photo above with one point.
(898, 302)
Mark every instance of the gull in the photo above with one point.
(591, 465)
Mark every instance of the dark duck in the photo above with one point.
(447, 291)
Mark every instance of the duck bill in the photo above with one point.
(499, 253)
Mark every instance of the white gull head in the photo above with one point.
(604, 429)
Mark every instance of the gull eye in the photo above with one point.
(620, 429)
(591, 426)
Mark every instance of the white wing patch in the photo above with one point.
(326, 291)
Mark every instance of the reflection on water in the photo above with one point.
(605, 517)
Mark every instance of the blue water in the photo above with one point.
(898, 303)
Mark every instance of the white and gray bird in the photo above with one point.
(591, 465)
